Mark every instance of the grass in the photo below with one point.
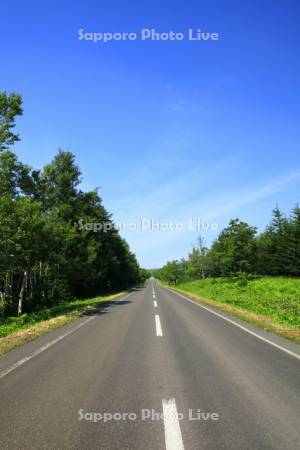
(16, 331)
(272, 303)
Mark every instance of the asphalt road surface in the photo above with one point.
(152, 371)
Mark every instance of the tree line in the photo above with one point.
(240, 251)
(45, 257)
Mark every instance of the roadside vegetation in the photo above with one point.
(15, 331)
(239, 251)
(254, 276)
(272, 303)
(57, 242)
(277, 298)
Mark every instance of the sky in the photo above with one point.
(169, 131)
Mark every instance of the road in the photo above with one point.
(104, 382)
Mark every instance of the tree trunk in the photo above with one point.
(202, 272)
(2, 303)
(21, 294)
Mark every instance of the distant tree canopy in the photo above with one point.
(239, 251)
(235, 249)
(45, 256)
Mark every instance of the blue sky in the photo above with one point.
(167, 130)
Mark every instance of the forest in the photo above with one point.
(239, 251)
(45, 256)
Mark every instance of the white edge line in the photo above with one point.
(173, 437)
(289, 352)
(158, 326)
(45, 347)
(42, 349)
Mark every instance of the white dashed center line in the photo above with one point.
(173, 437)
(158, 326)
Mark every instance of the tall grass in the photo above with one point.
(274, 297)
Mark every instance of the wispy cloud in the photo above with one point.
(174, 106)
(189, 196)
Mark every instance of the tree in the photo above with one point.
(197, 263)
(235, 249)
(22, 246)
(172, 272)
(293, 242)
(10, 107)
(45, 257)
(14, 176)
(238, 250)
(273, 244)
(59, 183)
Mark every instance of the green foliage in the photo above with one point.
(274, 297)
(279, 245)
(238, 252)
(45, 256)
(172, 272)
(235, 249)
(10, 107)
(12, 324)
(144, 275)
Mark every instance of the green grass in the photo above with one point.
(13, 324)
(277, 298)
(272, 303)
(15, 331)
